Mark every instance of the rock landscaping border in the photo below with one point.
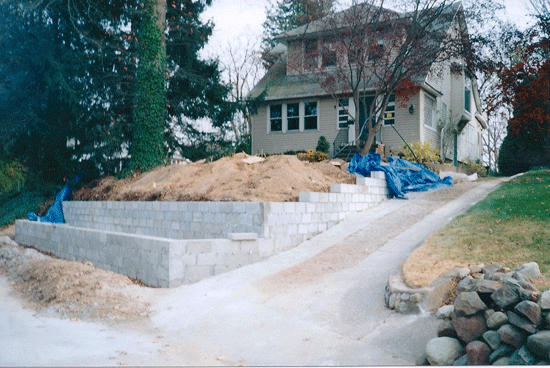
(498, 317)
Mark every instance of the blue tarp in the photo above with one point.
(402, 176)
(55, 212)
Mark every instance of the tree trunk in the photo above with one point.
(148, 150)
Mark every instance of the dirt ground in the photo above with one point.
(278, 178)
(72, 290)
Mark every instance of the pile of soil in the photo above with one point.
(66, 289)
(278, 178)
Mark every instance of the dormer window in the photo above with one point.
(376, 51)
(310, 54)
(329, 54)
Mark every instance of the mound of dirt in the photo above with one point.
(278, 178)
(74, 290)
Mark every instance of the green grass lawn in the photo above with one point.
(510, 227)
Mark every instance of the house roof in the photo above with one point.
(281, 86)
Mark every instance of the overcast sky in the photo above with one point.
(238, 20)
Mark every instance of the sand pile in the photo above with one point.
(278, 178)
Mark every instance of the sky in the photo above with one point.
(238, 20)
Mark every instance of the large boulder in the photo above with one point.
(531, 270)
(522, 323)
(469, 328)
(478, 353)
(529, 310)
(496, 320)
(522, 356)
(539, 344)
(445, 312)
(468, 303)
(503, 350)
(487, 286)
(492, 338)
(544, 300)
(505, 297)
(445, 328)
(492, 268)
(511, 335)
(443, 350)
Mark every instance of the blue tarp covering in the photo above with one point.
(55, 212)
(402, 175)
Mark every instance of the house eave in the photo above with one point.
(430, 89)
(481, 121)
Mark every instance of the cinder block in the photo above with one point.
(242, 236)
(199, 246)
(302, 229)
(239, 207)
(378, 175)
(275, 208)
(323, 197)
(209, 259)
(311, 197)
(249, 246)
(338, 188)
(289, 207)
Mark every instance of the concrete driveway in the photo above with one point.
(321, 303)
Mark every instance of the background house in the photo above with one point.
(298, 109)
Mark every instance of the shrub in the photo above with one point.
(476, 167)
(11, 173)
(312, 156)
(423, 151)
(322, 145)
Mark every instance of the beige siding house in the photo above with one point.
(297, 110)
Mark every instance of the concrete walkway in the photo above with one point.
(321, 303)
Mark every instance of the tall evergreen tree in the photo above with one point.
(284, 15)
(92, 78)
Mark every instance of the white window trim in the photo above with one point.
(284, 117)
(303, 115)
(434, 112)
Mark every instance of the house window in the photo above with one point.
(310, 115)
(376, 51)
(389, 115)
(343, 113)
(310, 54)
(276, 118)
(329, 54)
(429, 111)
(467, 99)
(329, 58)
(293, 116)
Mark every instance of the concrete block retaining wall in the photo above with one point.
(167, 244)
(161, 262)
(174, 220)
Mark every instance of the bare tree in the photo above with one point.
(242, 68)
(369, 53)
